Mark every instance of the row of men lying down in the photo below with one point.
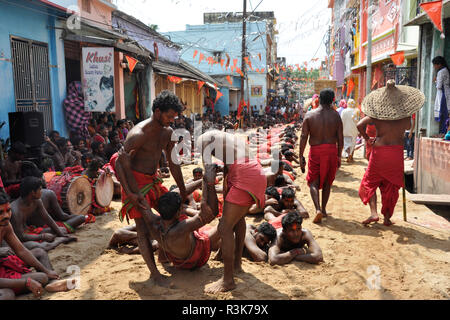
(38, 210)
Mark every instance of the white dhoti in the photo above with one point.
(349, 146)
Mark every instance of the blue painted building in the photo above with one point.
(32, 67)
(223, 40)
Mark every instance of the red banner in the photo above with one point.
(131, 63)
(398, 58)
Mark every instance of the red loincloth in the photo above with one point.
(12, 267)
(246, 183)
(385, 171)
(152, 189)
(322, 164)
(201, 252)
(276, 223)
(289, 175)
(33, 230)
(13, 190)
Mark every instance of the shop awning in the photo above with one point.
(422, 18)
(92, 33)
(183, 70)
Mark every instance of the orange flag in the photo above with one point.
(259, 55)
(283, 68)
(222, 61)
(350, 87)
(398, 58)
(202, 56)
(434, 10)
(174, 79)
(235, 62)
(229, 80)
(262, 70)
(238, 70)
(257, 70)
(131, 63)
(200, 85)
(218, 95)
(195, 54)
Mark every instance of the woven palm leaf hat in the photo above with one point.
(393, 102)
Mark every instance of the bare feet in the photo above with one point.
(388, 222)
(60, 285)
(70, 239)
(162, 281)
(304, 214)
(128, 250)
(370, 220)
(325, 213)
(318, 218)
(220, 286)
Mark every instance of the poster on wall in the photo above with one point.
(98, 79)
(257, 91)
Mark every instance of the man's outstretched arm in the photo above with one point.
(314, 253)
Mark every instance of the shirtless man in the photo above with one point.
(386, 163)
(288, 203)
(136, 169)
(24, 281)
(258, 240)
(291, 241)
(29, 204)
(323, 126)
(179, 237)
(244, 184)
(11, 172)
(51, 204)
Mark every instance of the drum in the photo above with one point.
(74, 193)
(104, 190)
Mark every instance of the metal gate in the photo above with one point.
(32, 78)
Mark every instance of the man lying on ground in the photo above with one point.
(258, 240)
(293, 242)
(288, 203)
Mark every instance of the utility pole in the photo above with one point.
(369, 49)
(244, 53)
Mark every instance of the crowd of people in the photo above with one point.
(244, 173)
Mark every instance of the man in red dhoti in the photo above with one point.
(136, 169)
(323, 126)
(389, 109)
(244, 185)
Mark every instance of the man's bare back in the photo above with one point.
(389, 132)
(323, 124)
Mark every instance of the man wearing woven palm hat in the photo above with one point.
(389, 109)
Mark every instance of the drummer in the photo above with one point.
(28, 204)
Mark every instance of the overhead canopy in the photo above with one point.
(183, 70)
(91, 33)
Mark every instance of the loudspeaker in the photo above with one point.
(27, 127)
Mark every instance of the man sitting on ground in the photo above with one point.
(15, 276)
(291, 241)
(30, 204)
